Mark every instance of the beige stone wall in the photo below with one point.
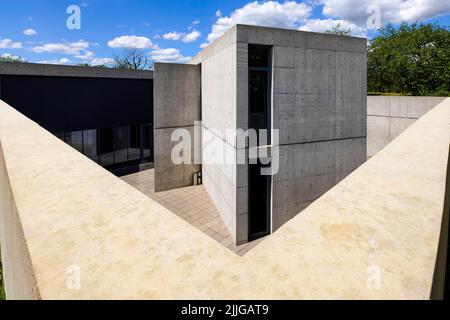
(18, 273)
(383, 221)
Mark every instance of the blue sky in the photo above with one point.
(173, 31)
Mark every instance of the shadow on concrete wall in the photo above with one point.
(2, 286)
(441, 280)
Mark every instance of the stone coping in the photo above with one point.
(383, 220)
(53, 70)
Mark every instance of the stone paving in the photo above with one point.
(193, 205)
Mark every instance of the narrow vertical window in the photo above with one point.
(259, 118)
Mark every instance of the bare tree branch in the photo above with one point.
(132, 59)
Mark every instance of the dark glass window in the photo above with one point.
(258, 202)
(90, 144)
(106, 146)
(258, 56)
(113, 147)
(147, 141)
(259, 115)
(121, 144)
(135, 143)
(105, 140)
(258, 100)
(75, 139)
(259, 118)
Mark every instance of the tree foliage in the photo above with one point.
(11, 59)
(339, 30)
(88, 65)
(132, 59)
(410, 59)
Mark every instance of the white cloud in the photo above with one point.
(322, 25)
(218, 13)
(173, 35)
(289, 14)
(30, 32)
(79, 50)
(87, 55)
(56, 61)
(90, 59)
(71, 48)
(393, 11)
(168, 55)
(189, 37)
(196, 22)
(131, 42)
(9, 44)
(102, 61)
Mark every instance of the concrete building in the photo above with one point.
(104, 113)
(309, 87)
(308, 90)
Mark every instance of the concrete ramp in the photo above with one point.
(379, 234)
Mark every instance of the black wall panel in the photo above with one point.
(64, 104)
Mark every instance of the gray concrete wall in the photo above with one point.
(309, 170)
(176, 106)
(319, 106)
(389, 116)
(219, 100)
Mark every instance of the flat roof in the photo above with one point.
(52, 70)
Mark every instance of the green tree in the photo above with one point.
(410, 59)
(339, 30)
(8, 58)
(87, 65)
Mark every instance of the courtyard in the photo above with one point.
(191, 204)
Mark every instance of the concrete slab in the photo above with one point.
(176, 107)
(176, 95)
